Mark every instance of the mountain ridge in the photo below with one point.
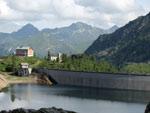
(127, 44)
(77, 34)
(76, 37)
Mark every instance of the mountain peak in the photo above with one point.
(148, 14)
(25, 32)
(80, 25)
(114, 27)
(29, 26)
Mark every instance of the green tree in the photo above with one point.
(64, 58)
(44, 63)
(57, 60)
(45, 58)
(49, 52)
(93, 58)
(73, 61)
(14, 63)
(65, 66)
(69, 66)
(34, 54)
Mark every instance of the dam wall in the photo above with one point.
(98, 79)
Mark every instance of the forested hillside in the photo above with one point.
(129, 43)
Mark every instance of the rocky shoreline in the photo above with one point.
(33, 79)
(42, 110)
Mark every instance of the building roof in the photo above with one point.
(21, 47)
(23, 64)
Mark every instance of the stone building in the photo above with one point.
(24, 51)
(54, 57)
(24, 69)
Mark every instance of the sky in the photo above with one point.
(58, 13)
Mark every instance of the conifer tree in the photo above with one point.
(14, 63)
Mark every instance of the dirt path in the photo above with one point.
(3, 81)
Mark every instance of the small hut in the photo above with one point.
(24, 69)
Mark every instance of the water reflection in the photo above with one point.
(108, 94)
(27, 91)
(11, 89)
(81, 99)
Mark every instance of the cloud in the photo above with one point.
(113, 11)
(49, 8)
(55, 13)
(8, 14)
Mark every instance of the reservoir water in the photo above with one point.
(79, 99)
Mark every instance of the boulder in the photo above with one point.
(147, 110)
(42, 110)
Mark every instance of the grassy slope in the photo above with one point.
(81, 47)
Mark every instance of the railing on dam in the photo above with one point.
(100, 72)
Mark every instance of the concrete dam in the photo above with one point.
(98, 79)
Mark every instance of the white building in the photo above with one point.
(54, 57)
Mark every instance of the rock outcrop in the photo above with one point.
(147, 110)
(42, 110)
(43, 79)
